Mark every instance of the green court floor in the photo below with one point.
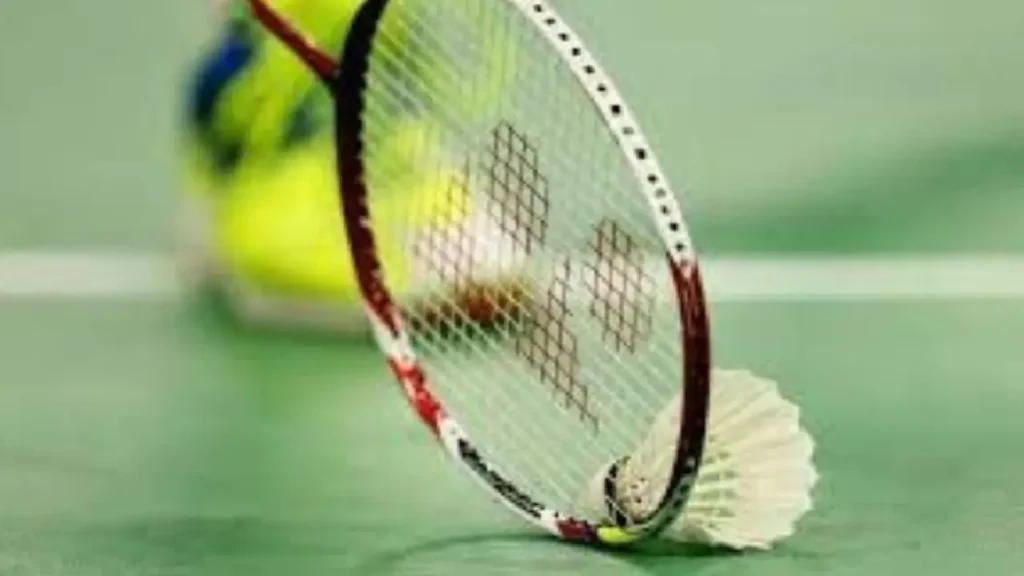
(176, 444)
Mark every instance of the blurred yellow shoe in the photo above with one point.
(260, 219)
(273, 241)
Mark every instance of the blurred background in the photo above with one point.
(798, 127)
(144, 433)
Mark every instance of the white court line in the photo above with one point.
(114, 275)
(87, 275)
(866, 278)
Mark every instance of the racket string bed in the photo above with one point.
(512, 433)
(517, 217)
(553, 344)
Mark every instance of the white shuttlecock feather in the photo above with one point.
(756, 475)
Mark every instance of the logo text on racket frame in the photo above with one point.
(517, 497)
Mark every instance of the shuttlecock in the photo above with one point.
(755, 478)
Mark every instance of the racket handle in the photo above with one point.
(311, 55)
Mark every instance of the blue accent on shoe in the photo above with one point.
(213, 76)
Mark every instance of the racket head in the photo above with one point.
(376, 84)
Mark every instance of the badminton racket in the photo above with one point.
(524, 261)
